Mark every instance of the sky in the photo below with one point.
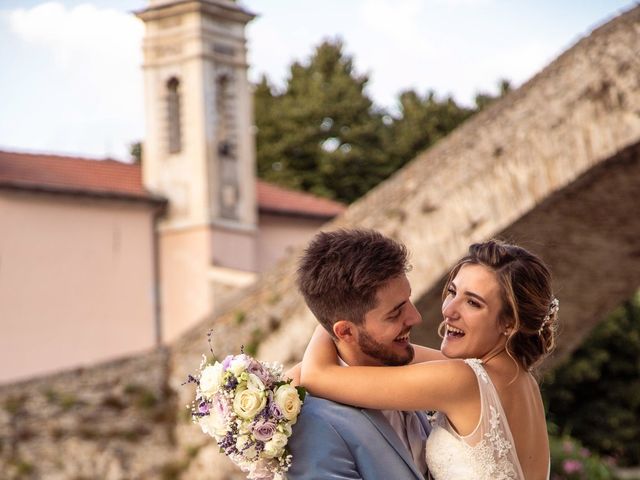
(71, 78)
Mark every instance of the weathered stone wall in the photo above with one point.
(554, 165)
(112, 421)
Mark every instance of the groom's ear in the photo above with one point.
(344, 331)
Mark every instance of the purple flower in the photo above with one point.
(203, 407)
(232, 382)
(274, 410)
(263, 430)
(572, 466)
(220, 407)
(226, 362)
(259, 371)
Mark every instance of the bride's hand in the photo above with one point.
(320, 354)
(294, 374)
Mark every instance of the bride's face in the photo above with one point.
(471, 312)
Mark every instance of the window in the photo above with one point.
(173, 115)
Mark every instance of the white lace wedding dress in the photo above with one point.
(488, 453)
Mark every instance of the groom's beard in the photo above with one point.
(369, 346)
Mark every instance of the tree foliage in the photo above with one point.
(321, 134)
(595, 395)
(135, 150)
(421, 122)
(324, 135)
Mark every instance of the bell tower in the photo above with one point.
(199, 152)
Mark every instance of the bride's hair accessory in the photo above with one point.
(553, 309)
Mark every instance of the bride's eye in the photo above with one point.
(451, 291)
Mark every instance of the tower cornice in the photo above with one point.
(220, 9)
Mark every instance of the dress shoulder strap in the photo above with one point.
(493, 430)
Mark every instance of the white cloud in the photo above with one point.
(82, 32)
(92, 98)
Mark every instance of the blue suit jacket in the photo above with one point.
(335, 441)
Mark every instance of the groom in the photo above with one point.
(354, 282)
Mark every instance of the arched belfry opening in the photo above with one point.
(174, 130)
(226, 141)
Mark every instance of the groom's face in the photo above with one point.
(383, 338)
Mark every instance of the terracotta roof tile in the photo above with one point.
(275, 199)
(113, 178)
(72, 174)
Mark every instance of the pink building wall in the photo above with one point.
(185, 257)
(279, 235)
(76, 282)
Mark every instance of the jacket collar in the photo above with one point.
(380, 422)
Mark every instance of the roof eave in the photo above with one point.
(155, 200)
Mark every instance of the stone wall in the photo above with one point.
(112, 421)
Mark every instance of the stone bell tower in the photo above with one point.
(199, 153)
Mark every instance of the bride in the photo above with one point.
(499, 323)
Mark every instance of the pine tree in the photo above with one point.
(321, 134)
(421, 122)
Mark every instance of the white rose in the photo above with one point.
(255, 383)
(248, 403)
(238, 365)
(285, 428)
(274, 447)
(211, 380)
(242, 444)
(213, 425)
(286, 397)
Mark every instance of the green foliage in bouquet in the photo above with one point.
(595, 395)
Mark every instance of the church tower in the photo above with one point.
(199, 153)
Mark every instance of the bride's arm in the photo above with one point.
(426, 354)
(438, 385)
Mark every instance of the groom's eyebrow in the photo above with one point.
(397, 307)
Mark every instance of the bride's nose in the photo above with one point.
(450, 308)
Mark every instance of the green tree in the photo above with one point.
(322, 133)
(421, 122)
(483, 100)
(595, 395)
(135, 150)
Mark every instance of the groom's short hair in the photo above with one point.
(341, 271)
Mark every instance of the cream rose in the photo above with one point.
(213, 424)
(286, 397)
(274, 447)
(211, 379)
(248, 403)
(238, 365)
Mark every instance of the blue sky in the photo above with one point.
(71, 82)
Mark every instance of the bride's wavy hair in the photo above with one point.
(528, 304)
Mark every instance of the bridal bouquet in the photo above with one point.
(248, 407)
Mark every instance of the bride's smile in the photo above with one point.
(471, 311)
